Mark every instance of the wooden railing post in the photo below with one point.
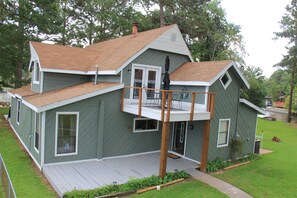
(164, 149)
(139, 101)
(192, 106)
(163, 106)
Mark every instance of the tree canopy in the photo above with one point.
(76, 22)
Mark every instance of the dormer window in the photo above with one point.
(226, 80)
(36, 73)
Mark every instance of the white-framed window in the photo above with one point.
(145, 125)
(223, 132)
(66, 142)
(37, 132)
(226, 80)
(18, 112)
(36, 73)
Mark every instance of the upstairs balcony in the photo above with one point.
(167, 105)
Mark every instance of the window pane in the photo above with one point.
(145, 125)
(37, 72)
(138, 74)
(66, 134)
(223, 132)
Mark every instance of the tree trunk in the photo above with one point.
(162, 21)
(20, 48)
(291, 98)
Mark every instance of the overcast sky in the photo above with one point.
(258, 20)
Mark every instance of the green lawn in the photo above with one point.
(275, 175)
(25, 177)
(185, 189)
(2, 193)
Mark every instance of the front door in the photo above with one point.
(179, 134)
(145, 77)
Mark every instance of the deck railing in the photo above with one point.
(5, 180)
(167, 100)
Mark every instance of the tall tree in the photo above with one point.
(257, 92)
(28, 20)
(288, 24)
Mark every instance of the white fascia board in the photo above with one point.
(248, 103)
(18, 96)
(30, 106)
(34, 56)
(152, 45)
(10, 94)
(232, 64)
(78, 98)
(64, 71)
(190, 83)
(131, 59)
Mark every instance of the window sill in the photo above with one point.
(65, 154)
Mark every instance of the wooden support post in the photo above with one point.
(169, 106)
(140, 102)
(192, 107)
(164, 149)
(163, 106)
(206, 132)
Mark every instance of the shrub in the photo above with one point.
(132, 185)
(216, 165)
(236, 148)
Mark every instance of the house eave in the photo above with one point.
(251, 105)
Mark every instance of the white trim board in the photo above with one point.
(76, 134)
(248, 103)
(228, 132)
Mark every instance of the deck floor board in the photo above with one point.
(97, 173)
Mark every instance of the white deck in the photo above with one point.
(95, 173)
(176, 114)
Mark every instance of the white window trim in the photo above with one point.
(56, 133)
(18, 111)
(228, 133)
(35, 73)
(37, 149)
(228, 82)
(144, 131)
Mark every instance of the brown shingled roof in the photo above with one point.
(117, 51)
(64, 57)
(48, 98)
(199, 71)
(109, 55)
(23, 91)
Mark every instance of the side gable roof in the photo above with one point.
(251, 105)
(111, 55)
(53, 99)
(203, 73)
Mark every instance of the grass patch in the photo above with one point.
(26, 179)
(2, 193)
(275, 174)
(192, 188)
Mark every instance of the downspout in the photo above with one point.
(237, 113)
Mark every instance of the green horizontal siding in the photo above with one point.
(226, 103)
(247, 123)
(25, 128)
(53, 81)
(104, 131)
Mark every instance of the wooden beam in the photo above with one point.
(192, 106)
(169, 106)
(139, 102)
(164, 149)
(204, 156)
(163, 106)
